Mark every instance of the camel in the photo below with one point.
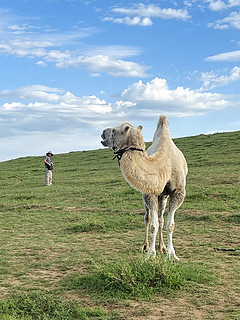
(158, 173)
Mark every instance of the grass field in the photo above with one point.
(71, 251)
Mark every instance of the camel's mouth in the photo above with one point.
(104, 139)
(104, 143)
(107, 139)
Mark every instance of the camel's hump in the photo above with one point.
(162, 120)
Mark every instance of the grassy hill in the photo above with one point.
(60, 243)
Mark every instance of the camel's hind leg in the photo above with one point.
(176, 199)
(162, 202)
(145, 245)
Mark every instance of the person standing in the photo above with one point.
(48, 168)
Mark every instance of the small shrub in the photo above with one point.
(140, 278)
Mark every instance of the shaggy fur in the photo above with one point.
(157, 173)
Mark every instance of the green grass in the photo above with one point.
(76, 243)
(47, 307)
(139, 278)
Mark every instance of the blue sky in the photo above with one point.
(70, 68)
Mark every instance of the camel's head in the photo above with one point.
(123, 136)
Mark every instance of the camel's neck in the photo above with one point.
(133, 142)
(144, 173)
(119, 153)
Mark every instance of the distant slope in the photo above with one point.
(212, 182)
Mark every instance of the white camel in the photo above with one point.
(158, 173)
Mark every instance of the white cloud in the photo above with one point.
(38, 118)
(60, 120)
(113, 51)
(226, 56)
(44, 98)
(135, 21)
(125, 104)
(156, 95)
(23, 41)
(16, 27)
(36, 107)
(95, 74)
(41, 63)
(233, 21)
(13, 105)
(98, 63)
(24, 47)
(218, 5)
(153, 11)
(65, 59)
(212, 80)
(141, 14)
(34, 92)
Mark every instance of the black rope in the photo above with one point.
(119, 153)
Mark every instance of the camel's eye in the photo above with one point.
(113, 131)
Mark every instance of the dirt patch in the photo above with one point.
(168, 310)
(51, 275)
(200, 213)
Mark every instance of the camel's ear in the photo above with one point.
(139, 127)
(126, 129)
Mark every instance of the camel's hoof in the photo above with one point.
(163, 250)
(172, 257)
(151, 254)
(144, 247)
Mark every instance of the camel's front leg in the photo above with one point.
(151, 202)
(145, 245)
